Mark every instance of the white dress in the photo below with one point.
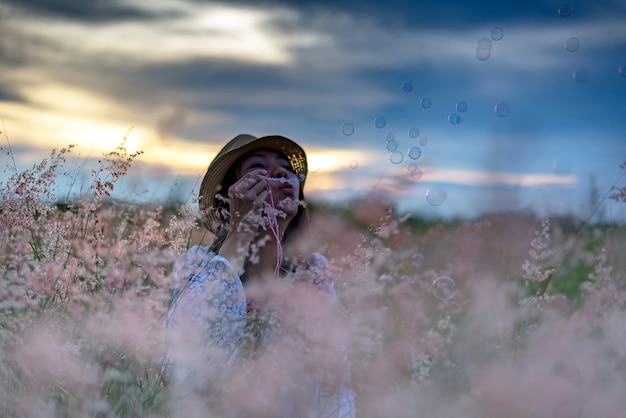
(212, 296)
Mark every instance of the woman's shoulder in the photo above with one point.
(211, 294)
(209, 279)
(202, 264)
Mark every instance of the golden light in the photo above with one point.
(324, 161)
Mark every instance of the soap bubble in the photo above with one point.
(347, 129)
(454, 118)
(483, 50)
(503, 109)
(362, 192)
(414, 132)
(484, 43)
(562, 168)
(483, 54)
(580, 76)
(435, 196)
(396, 157)
(390, 137)
(497, 33)
(380, 122)
(411, 167)
(391, 145)
(461, 107)
(414, 153)
(416, 174)
(354, 164)
(565, 10)
(444, 288)
(417, 260)
(407, 87)
(423, 141)
(621, 70)
(572, 44)
(426, 103)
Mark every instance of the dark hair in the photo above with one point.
(298, 223)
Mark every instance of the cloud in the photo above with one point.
(187, 75)
(186, 33)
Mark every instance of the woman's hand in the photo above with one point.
(247, 196)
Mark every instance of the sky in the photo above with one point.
(449, 109)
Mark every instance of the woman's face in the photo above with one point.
(284, 194)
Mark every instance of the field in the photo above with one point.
(509, 315)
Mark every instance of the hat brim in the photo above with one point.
(213, 180)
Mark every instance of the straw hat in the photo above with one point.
(232, 151)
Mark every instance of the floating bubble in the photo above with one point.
(483, 49)
(407, 87)
(414, 132)
(484, 43)
(444, 288)
(502, 109)
(417, 260)
(455, 119)
(572, 44)
(354, 164)
(621, 70)
(414, 153)
(423, 141)
(562, 168)
(411, 167)
(497, 33)
(416, 174)
(580, 76)
(380, 122)
(390, 136)
(462, 107)
(483, 54)
(347, 129)
(362, 191)
(426, 103)
(435, 196)
(565, 10)
(396, 157)
(391, 145)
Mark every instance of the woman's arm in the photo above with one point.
(211, 296)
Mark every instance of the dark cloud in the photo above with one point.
(8, 95)
(99, 11)
(347, 63)
(448, 14)
(445, 14)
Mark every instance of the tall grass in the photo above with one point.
(529, 323)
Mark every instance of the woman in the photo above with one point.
(253, 301)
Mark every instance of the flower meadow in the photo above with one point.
(509, 315)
